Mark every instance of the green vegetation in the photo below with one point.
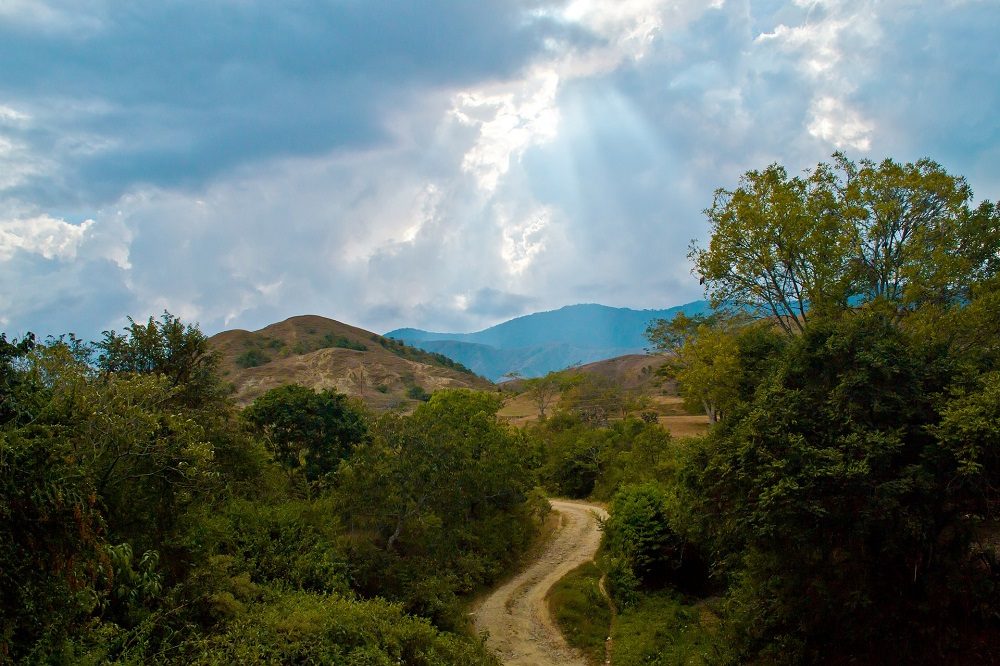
(582, 611)
(263, 349)
(341, 342)
(252, 359)
(418, 393)
(403, 350)
(143, 519)
(580, 459)
(844, 507)
(302, 428)
(663, 629)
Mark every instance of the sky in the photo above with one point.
(441, 164)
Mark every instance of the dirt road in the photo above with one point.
(516, 615)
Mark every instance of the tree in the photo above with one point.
(452, 458)
(166, 347)
(308, 430)
(644, 546)
(544, 391)
(443, 498)
(707, 369)
(845, 233)
(856, 499)
(667, 336)
(12, 378)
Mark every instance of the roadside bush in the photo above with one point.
(643, 546)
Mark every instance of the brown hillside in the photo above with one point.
(322, 353)
(634, 373)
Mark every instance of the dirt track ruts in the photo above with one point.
(516, 616)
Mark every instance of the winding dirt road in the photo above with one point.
(516, 615)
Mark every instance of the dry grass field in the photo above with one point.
(519, 410)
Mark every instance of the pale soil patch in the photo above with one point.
(516, 615)
(685, 426)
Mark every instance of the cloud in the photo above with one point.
(43, 235)
(498, 304)
(233, 81)
(440, 164)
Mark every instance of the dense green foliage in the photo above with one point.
(845, 506)
(446, 497)
(308, 430)
(848, 508)
(143, 519)
(580, 459)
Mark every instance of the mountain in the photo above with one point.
(539, 343)
(494, 363)
(323, 353)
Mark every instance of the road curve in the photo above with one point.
(516, 615)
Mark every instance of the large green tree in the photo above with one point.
(443, 497)
(791, 247)
(308, 429)
(856, 498)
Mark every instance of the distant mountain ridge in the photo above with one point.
(535, 344)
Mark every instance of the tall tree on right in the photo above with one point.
(846, 233)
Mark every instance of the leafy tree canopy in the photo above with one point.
(308, 429)
(845, 232)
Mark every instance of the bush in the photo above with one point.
(300, 628)
(639, 538)
(418, 393)
(252, 359)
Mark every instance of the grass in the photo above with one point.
(662, 629)
(581, 611)
(519, 410)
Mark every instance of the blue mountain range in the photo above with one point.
(535, 344)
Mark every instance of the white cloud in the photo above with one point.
(835, 123)
(11, 116)
(631, 25)
(509, 118)
(523, 240)
(70, 17)
(830, 50)
(575, 173)
(46, 236)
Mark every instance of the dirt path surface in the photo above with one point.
(516, 615)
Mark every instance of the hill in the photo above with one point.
(634, 375)
(494, 362)
(323, 353)
(544, 341)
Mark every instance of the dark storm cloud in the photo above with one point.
(171, 93)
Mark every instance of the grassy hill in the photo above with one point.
(323, 353)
